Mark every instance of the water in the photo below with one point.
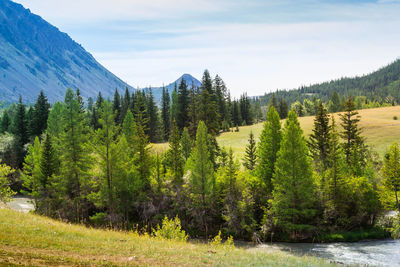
(23, 204)
(372, 253)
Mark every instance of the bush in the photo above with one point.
(5, 191)
(217, 242)
(395, 118)
(170, 229)
(99, 219)
(396, 227)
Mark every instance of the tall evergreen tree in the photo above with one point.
(174, 105)
(202, 177)
(193, 111)
(351, 132)
(270, 141)
(319, 139)
(183, 106)
(220, 92)
(75, 159)
(40, 115)
(165, 113)
(250, 158)
(294, 190)
(186, 144)
(335, 102)
(208, 109)
(20, 131)
(153, 116)
(236, 114)
(283, 108)
(176, 158)
(117, 106)
(5, 122)
(126, 104)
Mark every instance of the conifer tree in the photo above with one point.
(75, 159)
(48, 160)
(117, 107)
(335, 106)
(250, 158)
(294, 190)
(186, 144)
(20, 131)
(220, 92)
(153, 119)
(202, 177)
(105, 147)
(126, 104)
(40, 115)
(183, 106)
(5, 191)
(55, 122)
(5, 122)
(351, 132)
(268, 147)
(273, 102)
(174, 105)
(165, 113)
(208, 109)
(236, 114)
(391, 171)
(283, 108)
(319, 139)
(176, 158)
(193, 111)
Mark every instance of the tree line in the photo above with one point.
(95, 166)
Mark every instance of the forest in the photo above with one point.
(92, 163)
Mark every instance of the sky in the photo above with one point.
(255, 46)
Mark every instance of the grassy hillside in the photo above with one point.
(380, 130)
(27, 239)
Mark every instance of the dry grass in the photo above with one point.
(31, 240)
(380, 130)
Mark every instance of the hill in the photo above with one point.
(32, 240)
(381, 85)
(379, 128)
(36, 56)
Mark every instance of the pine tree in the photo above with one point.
(391, 171)
(193, 111)
(236, 114)
(40, 115)
(165, 113)
(105, 146)
(126, 104)
(48, 160)
(176, 158)
(220, 92)
(183, 106)
(335, 106)
(186, 144)
(273, 102)
(75, 159)
(174, 105)
(208, 109)
(250, 158)
(20, 131)
(5, 122)
(153, 122)
(294, 190)
(5, 191)
(351, 132)
(319, 139)
(202, 177)
(54, 122)
(268, 147)
(117, 107)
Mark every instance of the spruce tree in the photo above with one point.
(250, 158)
(236, 114)
(5, 122)
(335, 106)
(126, 104)
(319, 139)
(55, 122)
(48, 160)
(208, 109)
(268, 147)
(283, 108)
(75, 159)
(183, 106)
(186, 144)
(351, 132)
(117, 106)
(165, 113)
(104, 144)
(294, 190)
(193, 111)
(20, 130)
(202, 177)
(174, 105)
(40, 115)
(220, 92)
(153, 119)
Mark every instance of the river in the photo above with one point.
(371, 253)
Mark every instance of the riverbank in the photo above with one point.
(28, 239)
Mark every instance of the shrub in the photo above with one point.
(217, 242)
(395, 118)
(99, 219)
(5, 191)
(171, 229)
(396, 227)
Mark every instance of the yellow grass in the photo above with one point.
(32, 240)
(380, 130)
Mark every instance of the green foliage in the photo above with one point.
(186, 144)
(216, 242)
(293, 202)
(268, 147)
(396, 227)
(391, 171)
(5, 191)
(170, 229)
(250, 158)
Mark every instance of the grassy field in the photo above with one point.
(31, 240)
(379, 128)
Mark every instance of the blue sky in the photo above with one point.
(255, 46)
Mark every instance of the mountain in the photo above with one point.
(382, 85)
(189, 79)
(36, 56)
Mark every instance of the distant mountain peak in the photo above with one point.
(189, 79)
